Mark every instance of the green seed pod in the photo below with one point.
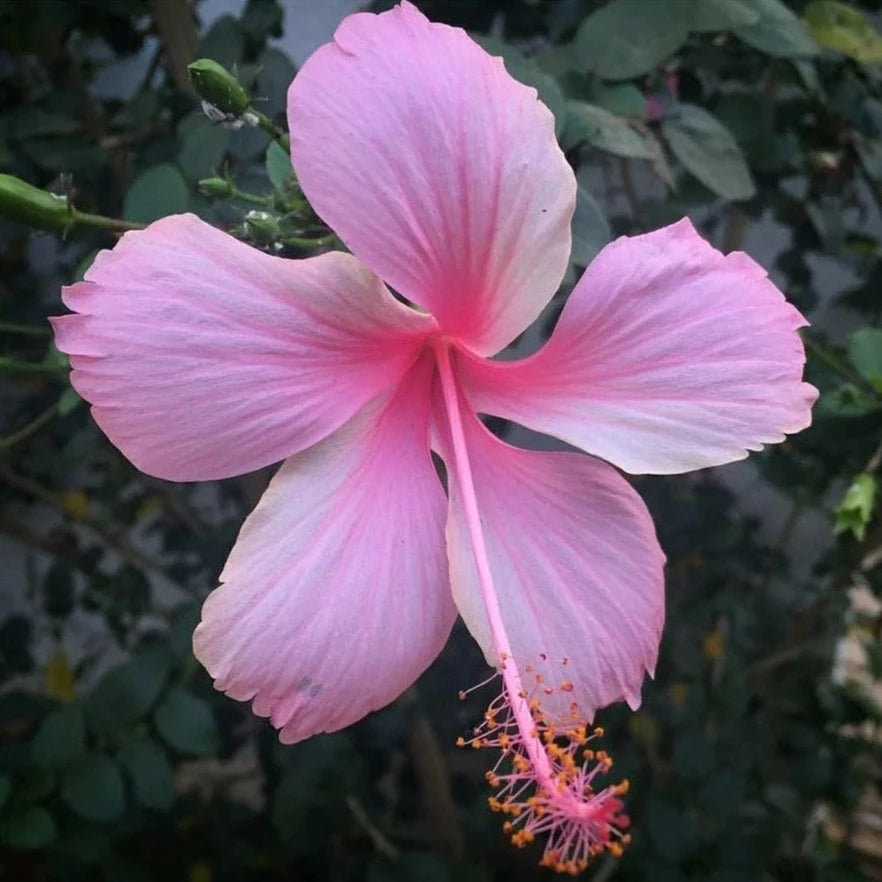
(216, 85)
(22, 202)
(218, 187)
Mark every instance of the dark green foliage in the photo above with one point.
(749, 761)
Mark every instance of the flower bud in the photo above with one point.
(218, 87)
(218, 187)
(22, 202)
(263, 226)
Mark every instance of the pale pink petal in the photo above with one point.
(668, 357)
(437, 169)
(576, 566)
(203, 357)
(335, 597)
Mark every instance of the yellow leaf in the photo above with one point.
(59, 677)
(200, 872)
(844, 29)
(76, 504)
(643, 727)
(150, 506)
(678, 692)
(713, 645)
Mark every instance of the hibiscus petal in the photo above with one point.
(667, 357)
(205, 358)
(335, 597)
(437, 169)
(576, 567)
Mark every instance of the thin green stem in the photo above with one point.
(24, 367)
(26, 431)
(300, 242)
(30, 330)
(251, 198)
(276, 133)
(839, 365)
(99, 221)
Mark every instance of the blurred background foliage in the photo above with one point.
(756, 755)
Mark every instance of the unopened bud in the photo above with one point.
(218, 87)
(219, 187)
(22, 202)
(263, 226)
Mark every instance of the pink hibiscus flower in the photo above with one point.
(205, 358)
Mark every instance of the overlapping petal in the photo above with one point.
(203, 357)
(335, 597)
(667, 357)
(576, 566)
(437, 169)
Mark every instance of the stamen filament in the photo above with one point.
(545, 773)
(463, 475)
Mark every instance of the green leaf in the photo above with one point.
(723, 15)
(628, 38)
(203, 146)
(604, 130)
(224, 42)
(158, 191)
(848, 400)
(844, 29)
(693, 755)
(869, 151)
(93, 789)
(623, 99)
(34, 784)
(68, 401)
(31, 828)
(590, 228)
(274, 75)
(865, 352)
(152, 778)
(856, 509)
(59, 738)
(778, 32)
(126, 693)
(670, 832)
(187, 724)
(278, 167)
(707, 149)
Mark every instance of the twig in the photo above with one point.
(381, 842)
(30, 428)
(433, 776)
(276, 133)
(118, 543)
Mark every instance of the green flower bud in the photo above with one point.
(263, 226)
(219, 187)
(216, 85)
(22, 202)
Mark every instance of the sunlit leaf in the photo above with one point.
(844, 29)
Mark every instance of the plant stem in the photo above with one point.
(300, 242)
(251, 198)
(837, 364)
(82, 218)
(279, 136)
(30, 330)
(27, 430)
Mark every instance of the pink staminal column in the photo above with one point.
(546, 772)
